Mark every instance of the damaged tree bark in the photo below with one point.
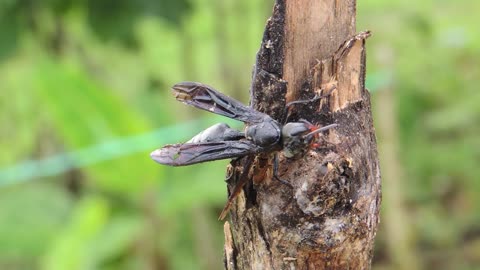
(329, 218)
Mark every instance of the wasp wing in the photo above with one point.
(206, 98)
(192, 153)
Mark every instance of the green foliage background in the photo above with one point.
(84, 98)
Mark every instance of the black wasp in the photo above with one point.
(262, 134)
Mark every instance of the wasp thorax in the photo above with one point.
(264, 134)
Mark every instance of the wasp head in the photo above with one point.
(298, 137)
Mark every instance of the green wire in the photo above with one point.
(57, 164)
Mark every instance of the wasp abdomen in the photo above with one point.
(217, 132)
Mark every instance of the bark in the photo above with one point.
(329, 218)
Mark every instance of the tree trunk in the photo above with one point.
(329, 218)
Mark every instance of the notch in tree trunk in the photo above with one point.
(329, 218)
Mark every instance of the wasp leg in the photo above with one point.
(315, 98)
(238, 188)
(275, 172)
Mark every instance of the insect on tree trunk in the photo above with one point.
(329, 218)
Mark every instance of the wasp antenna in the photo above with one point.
(318, 130)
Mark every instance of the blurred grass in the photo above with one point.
(91, 79)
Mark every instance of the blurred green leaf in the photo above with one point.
(74, 243)
(86, 113)
(30, 216)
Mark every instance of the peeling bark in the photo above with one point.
(329, 219)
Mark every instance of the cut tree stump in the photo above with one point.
(329, 218)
